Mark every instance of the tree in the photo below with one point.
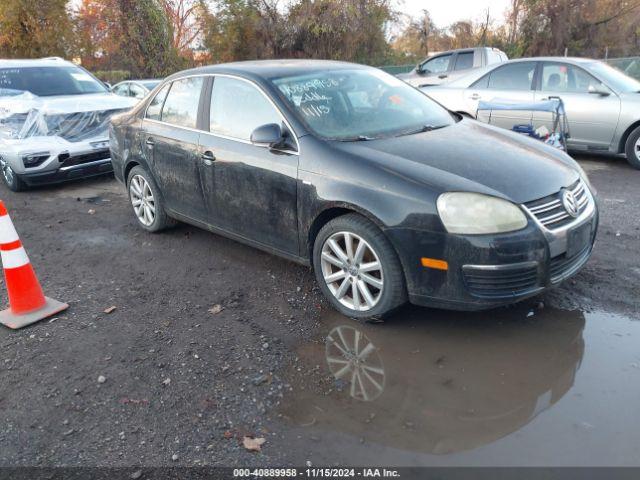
(184, 17)
(133, 35)
(35, 28)
(333, 29)
(583, 27)
(231, 32)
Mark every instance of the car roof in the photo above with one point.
(267, 69)
(553, 59)
(466, 80)
(35, 62)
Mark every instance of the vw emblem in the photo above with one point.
(570, 203)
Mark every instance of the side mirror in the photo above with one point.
(602, 91)
(108, 85)
(268, 135)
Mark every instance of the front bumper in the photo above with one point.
(59, 160)
(487, 271)
(69, 172)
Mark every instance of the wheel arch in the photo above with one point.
(128, 167)
(331, 212)
(623, 139)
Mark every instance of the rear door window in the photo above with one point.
(181, 106)
(516, 76)
(464, 61)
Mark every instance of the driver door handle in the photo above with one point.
(443, 76)
(150, 142)
(475, 96)
(208, 158)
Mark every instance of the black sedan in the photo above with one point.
(389, 196)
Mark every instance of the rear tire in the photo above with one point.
(357, 268)
(10, 178)
(146, 201)
(632, 148)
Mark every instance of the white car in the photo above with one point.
(135, 88)
(54, 117)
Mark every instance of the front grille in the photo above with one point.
(68, 161)
(503, 281)
(550, 210)
(562, 267)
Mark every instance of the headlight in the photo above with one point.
(474, 213)
(585, 178)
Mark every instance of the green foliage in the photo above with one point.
(233, 32)
(35, 28)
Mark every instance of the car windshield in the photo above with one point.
(49, 81)
(360, 104)
(614, 78)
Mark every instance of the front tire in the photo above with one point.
(632, 148)
(357, 268)
(146, 201)
(10, 178)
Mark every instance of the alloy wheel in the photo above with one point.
(637, 148)
(352, 271)
(353, 358)
(144, 204)
(7, 171)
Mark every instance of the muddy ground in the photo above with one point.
(212, 341)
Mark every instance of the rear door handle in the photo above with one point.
(443, 76)
(208, 158)
(475, 96)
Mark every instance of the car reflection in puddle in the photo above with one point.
(438, 382)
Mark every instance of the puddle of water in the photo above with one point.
(494, 388)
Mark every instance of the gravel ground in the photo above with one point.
(196, 354)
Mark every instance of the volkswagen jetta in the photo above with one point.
(389, 196)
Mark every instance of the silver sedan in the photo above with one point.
(602, 103)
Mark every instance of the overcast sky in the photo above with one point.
(445, 12)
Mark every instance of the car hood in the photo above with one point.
(71, 117)
(472, 156)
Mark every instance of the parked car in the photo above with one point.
(387, 194)
(53, 122)
(602, 103)
(448, 66)
(135, 88)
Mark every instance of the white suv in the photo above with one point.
(53, 122)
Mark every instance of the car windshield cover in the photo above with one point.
(48, 81)
(614, 78)
(360, 104)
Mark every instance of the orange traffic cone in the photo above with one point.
(27, 302)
